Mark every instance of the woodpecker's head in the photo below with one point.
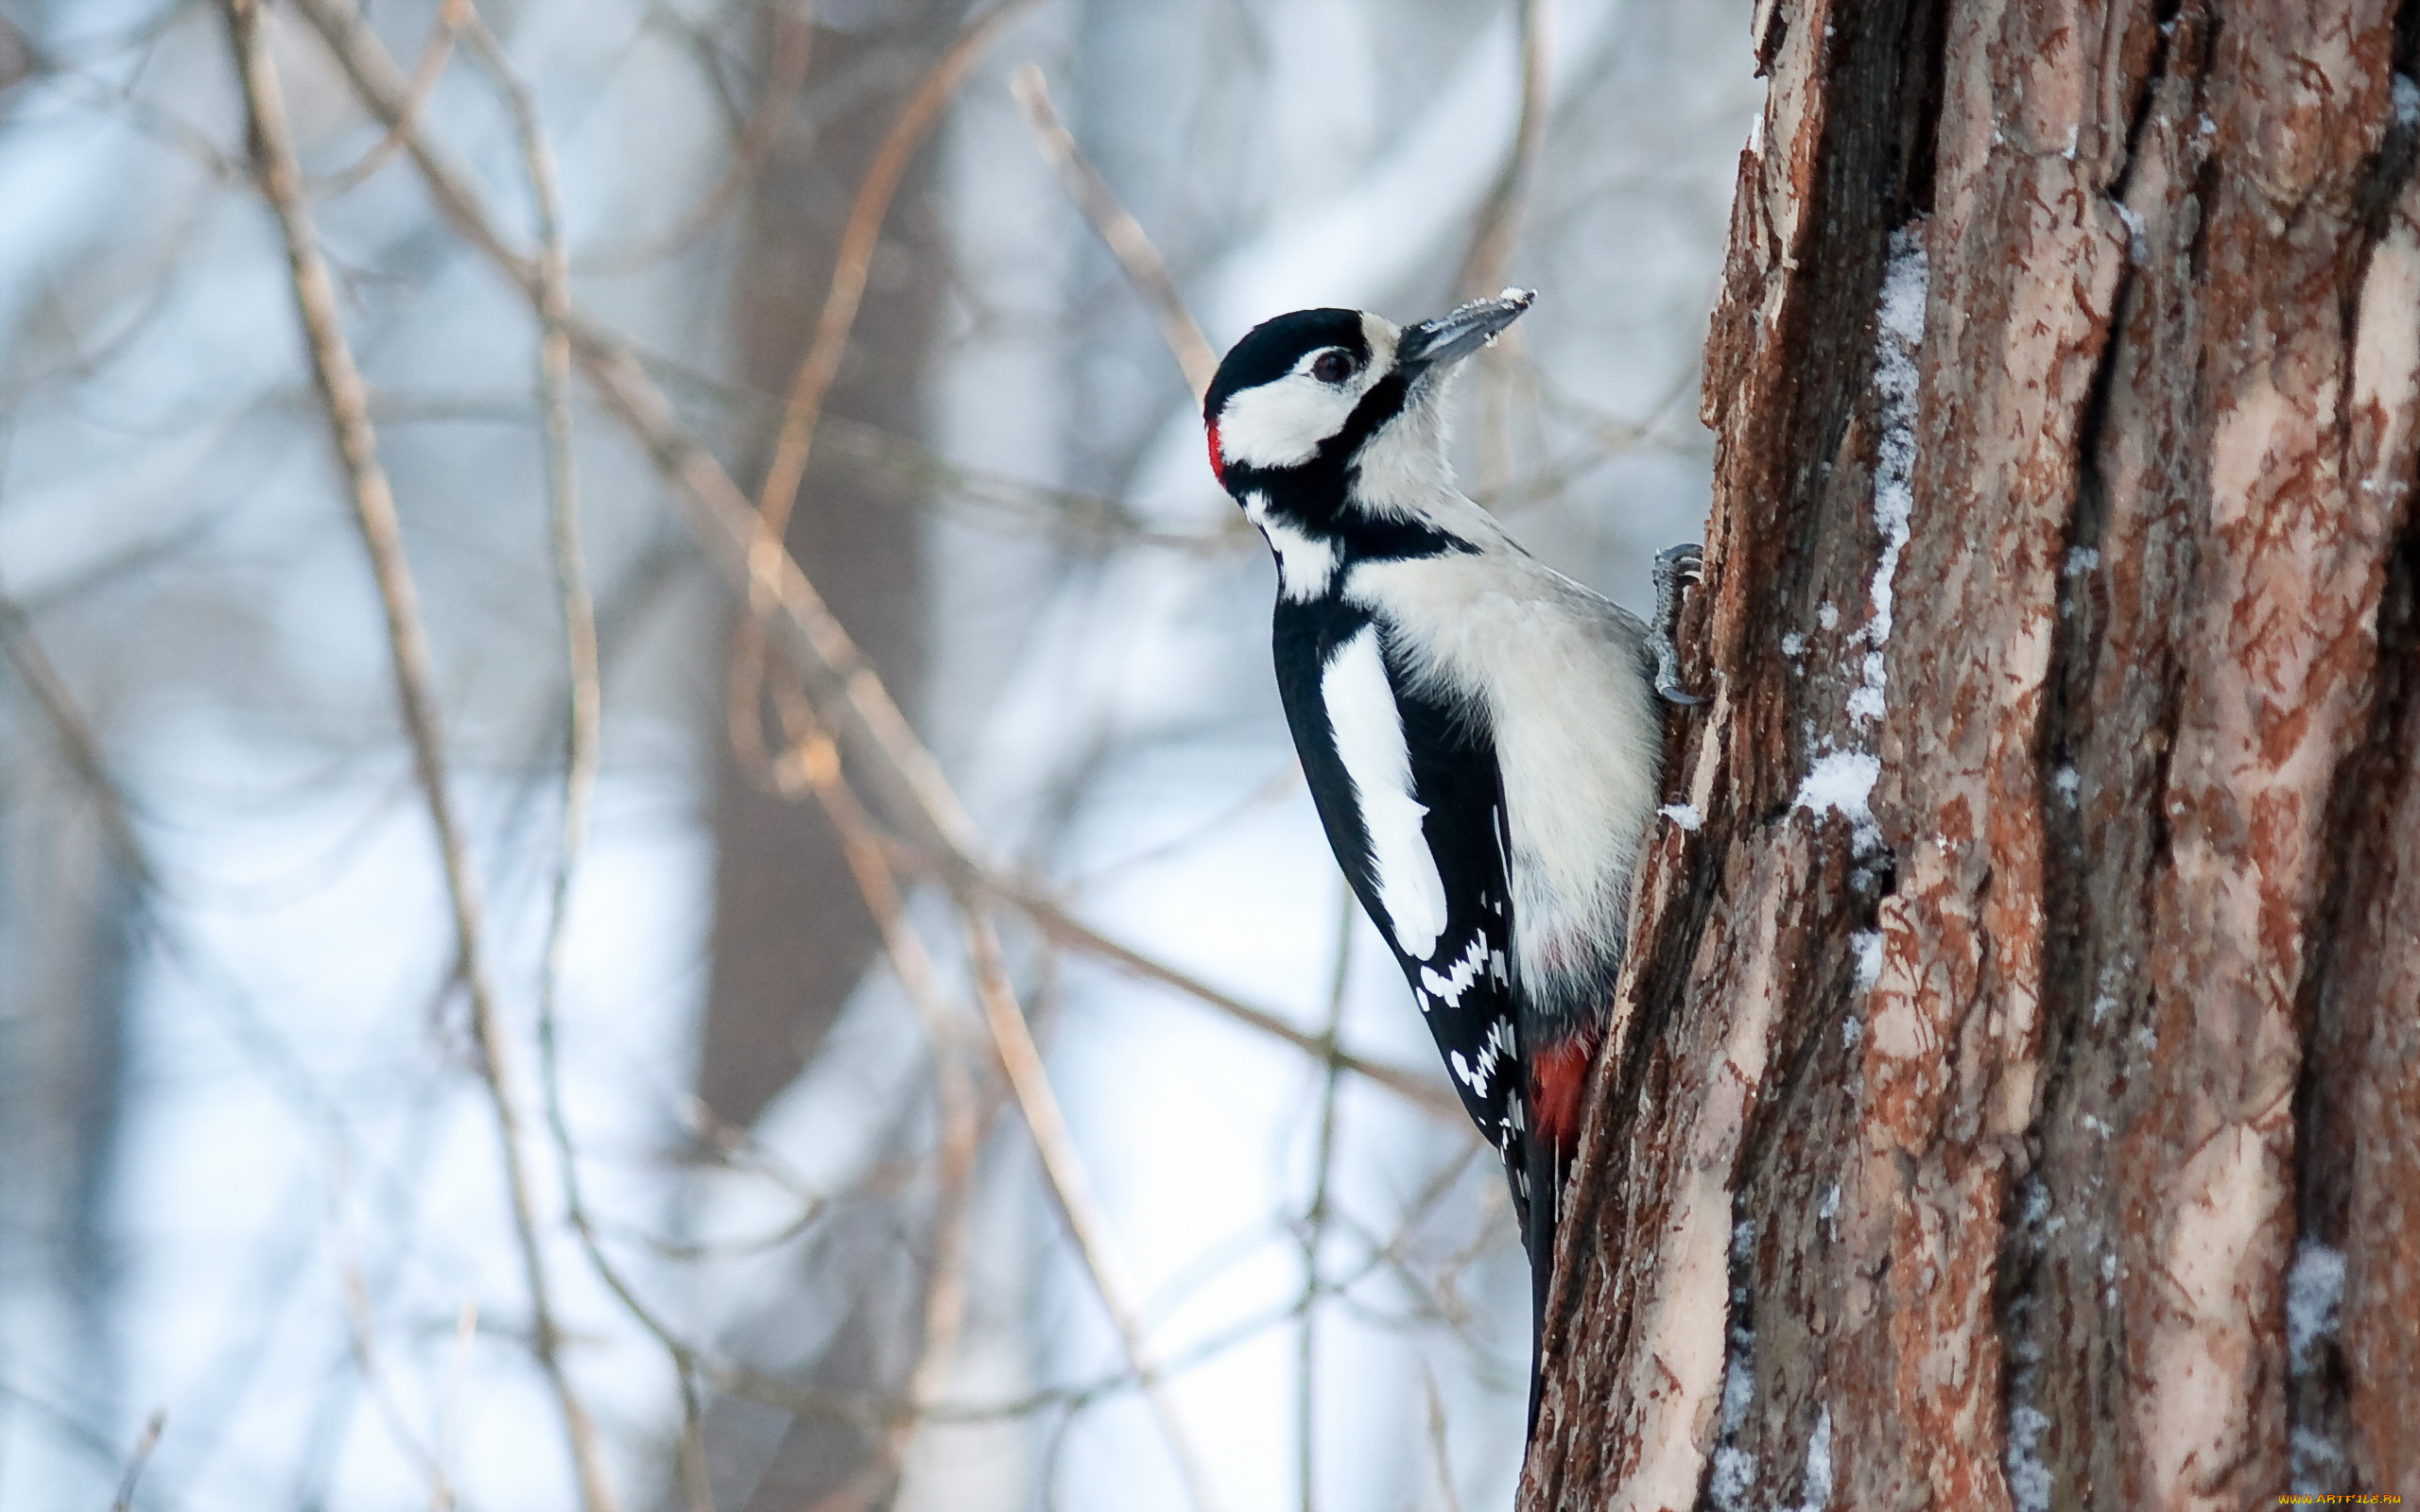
(1322, 416)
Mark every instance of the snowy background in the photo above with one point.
(248, 1172)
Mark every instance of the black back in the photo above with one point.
(1454, 777)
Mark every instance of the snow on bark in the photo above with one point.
(1899, 334)
(1841, 783)
(2025, 260)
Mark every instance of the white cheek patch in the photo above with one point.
(1306, 564)
(1281, 424)
(1367, 727)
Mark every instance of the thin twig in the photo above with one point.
(77, 741)
(584, 710)
(147, 1441)
(449, 1405)
(1072, 511)
(425, 73)
(852, 262)
(1499, 220)
(727, 525)
(1022, 1060)
(361, 1331)
(1390, 1255)
(1437, 1444)
(785, 75)
(934, 482)
(1064, 928)
(701, 1249)
(1145, 269)
(1315, 1214)
(344, 397)
(1497, 228)
(813, 765)
(854, 258)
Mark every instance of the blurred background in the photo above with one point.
(258, 1245)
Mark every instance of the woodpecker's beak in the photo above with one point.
(1452, 336)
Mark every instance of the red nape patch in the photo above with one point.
(1217, 463)
(1558, 1083)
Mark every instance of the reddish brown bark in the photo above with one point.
(1979, 1141)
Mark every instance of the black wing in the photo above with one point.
(1457, 957)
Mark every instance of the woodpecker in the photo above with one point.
(1482, 735)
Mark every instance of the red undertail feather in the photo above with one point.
(1217, 463)
(1558, 1083)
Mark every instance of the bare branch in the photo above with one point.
(1386, 1255)
(1022, 1060)
(1315, 1214)
(362, 1335)
(813, 765)
(728, 526)
(1064, 928)
(1497, 229)
(1437, 1446)
(801, 414)
(449, 1405)
(585, 717)
(855, 257)
(345, 401)
(1498, 222)
(425, 73)
(149, 1439)
(1118, 231)
(74, 736)
(784, 75)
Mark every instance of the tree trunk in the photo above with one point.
(2020, 1101)
(791, 936)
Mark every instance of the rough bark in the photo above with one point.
(1981, 1143)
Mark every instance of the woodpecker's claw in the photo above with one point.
(1674, 565)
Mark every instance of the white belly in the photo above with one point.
(1578, 737)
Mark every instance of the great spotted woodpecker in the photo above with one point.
(1480, 733)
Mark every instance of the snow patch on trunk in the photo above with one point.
(1841, 780)
(1815, 1489)
(1898, 335)
(2314, 1293)
(1734, 1468)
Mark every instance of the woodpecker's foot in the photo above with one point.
(1675, 566)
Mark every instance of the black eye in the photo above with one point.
(1333, 366)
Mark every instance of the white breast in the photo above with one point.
(1574, 719)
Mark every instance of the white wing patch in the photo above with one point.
(1367, 727)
